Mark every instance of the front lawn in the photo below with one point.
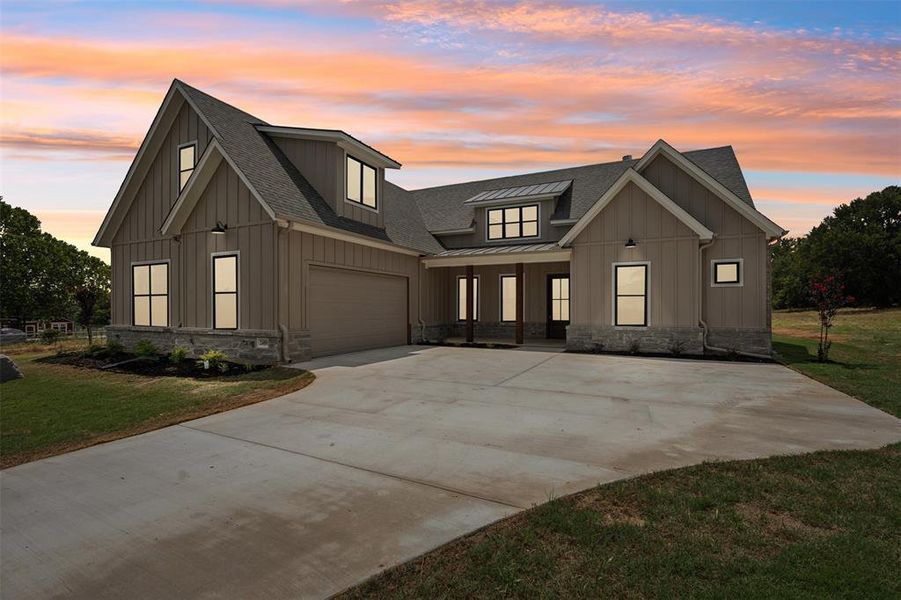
(865, 361)
(822, 525)
(57, 408)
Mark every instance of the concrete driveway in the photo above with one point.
(389, 454)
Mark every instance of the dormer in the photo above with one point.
(519, 214)
(348, 174)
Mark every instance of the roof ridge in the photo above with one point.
(206, 96)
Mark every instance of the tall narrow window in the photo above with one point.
(513, 222)
(508, 297)
(560, 298)
(461, 298)
(361, 183)
(186, 158)
(150, 295)
(630, 285)
(225, 291)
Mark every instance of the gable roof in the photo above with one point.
(272, 179)
(444, 208)
(632, 176)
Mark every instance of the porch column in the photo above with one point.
(469, 305)
(519, 304)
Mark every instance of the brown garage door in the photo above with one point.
(354, 310)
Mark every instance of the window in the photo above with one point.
(186, 157)
(630, 285)
(560, 298)
(150, 294)
(361, 183)
(508, 297)
(514, 222)
(726, 272)
(225, 291)
(461, 298)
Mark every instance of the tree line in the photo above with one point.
(859, 245)
(42, 277)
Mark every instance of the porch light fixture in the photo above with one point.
(630, 243)
(219, 229)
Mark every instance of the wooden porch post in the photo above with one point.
(519, 304)
(469, 305)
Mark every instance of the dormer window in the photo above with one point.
(187, 154)
(513, 223)
(361, 183)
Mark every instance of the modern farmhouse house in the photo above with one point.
(281, 243)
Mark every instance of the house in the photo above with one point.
(277, 243)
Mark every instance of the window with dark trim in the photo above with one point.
(187, 155)
(560, 298)
(630, 284)
(150, 294)
(513, 222)
(726, 272)
(361, 183)
(225, 291)
(461, 298)
(508, 298)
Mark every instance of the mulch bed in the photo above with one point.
(149, 366)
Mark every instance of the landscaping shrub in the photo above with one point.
(146, 348)
(114, 347)
(50, 336)
(178, 354)
(213, 359)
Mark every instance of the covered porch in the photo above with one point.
(499, 296)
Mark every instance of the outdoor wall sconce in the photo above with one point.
(631, 243)
(219, 229)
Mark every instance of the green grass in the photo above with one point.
(865, 360)
(821, 525)
(56, 408)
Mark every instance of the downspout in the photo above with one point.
(283, 329)
(701, 311)
(422, 270)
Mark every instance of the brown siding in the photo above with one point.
(226, 199)
(298, 250)
(664, 241)
(319, 162)
(441, 296)
(736, 237)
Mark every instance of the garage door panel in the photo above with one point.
(355, 310)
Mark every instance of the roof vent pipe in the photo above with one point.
(627, 157)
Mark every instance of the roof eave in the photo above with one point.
(346, 141)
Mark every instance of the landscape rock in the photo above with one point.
(8, 369)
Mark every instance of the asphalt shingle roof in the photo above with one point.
(444, 207)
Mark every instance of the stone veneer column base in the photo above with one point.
(755, 341)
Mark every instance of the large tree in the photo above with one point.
(860, 243)
(40, 274)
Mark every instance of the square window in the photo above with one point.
(150, 295)
(727, 272)
(512, 223)
(495, 232)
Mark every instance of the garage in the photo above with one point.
(355, 310)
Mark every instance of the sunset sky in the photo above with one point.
(807, 94)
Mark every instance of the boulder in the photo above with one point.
(8, 369)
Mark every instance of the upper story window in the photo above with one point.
(512, 223)
(150, 294)
(361, 183)
(186, 156)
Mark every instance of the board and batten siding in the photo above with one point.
(546, 231)
(666, 243)
(440, 302)
(250, 232)
(138, 238)
(299, 250)
(744, 307)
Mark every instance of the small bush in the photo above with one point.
(50, 336)
(178, 354)
(146, 348)
(97, 351)
(114, 347)
(213, 359)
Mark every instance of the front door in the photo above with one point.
(557, 305)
